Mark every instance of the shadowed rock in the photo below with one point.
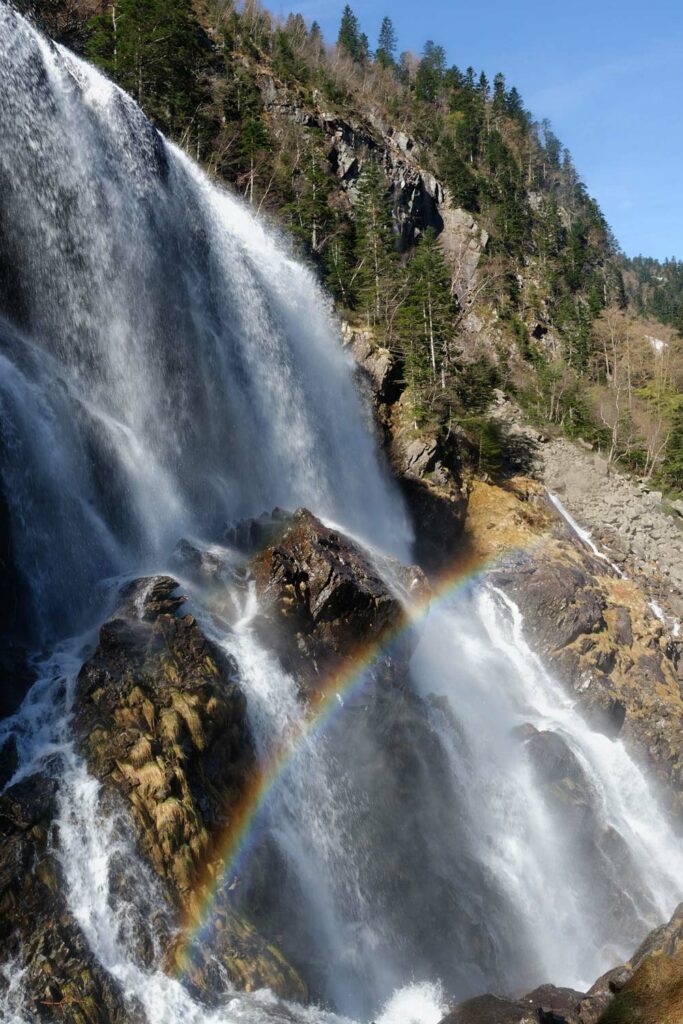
(323, 601)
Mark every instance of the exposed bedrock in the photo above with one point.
(63, 979)
(426, 465)
(161, 721)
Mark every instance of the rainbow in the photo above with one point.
(232, 846)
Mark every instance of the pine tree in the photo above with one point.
(430, 73)
(338, 267)
(514, 106)
(672, 465)
(428, 318)
(310, 212)
(386, 44)
(153, 50)
(499, 102)
(375, 249)
(316, 35)
(349, 38)
(461, 181)
(403, 73)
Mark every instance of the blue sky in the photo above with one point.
(608, 75)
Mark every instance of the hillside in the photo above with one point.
(438, 213)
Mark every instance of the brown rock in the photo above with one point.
(323, 601)
(161, 721)
(62, 979)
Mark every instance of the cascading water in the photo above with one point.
(172, 367)
(166, 367)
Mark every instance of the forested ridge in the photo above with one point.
(585, 340)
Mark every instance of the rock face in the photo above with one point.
(463, 242)
(418, 198)
(322, 600)
(639, 530)
(65, 982)
(427, 466)
(595, 629)
(429, 473)
(600, 636)
(162, 723)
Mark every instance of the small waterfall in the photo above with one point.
(165, 368)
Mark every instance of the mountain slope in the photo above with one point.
(365, 161)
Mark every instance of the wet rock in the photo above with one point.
(438, 519)
(322, 600)
(161, 721)
(554, 761)
(491, 1009)
(605, 713)
(563, 780)
(595, 630)
(197, 562)
(558, 600)
(16, 675)
(65, 22)
(428, 471)
(645, 990)
(545, 1005)
(250, 535)
(8, 760)
(553, 999)
(62, 980)
(427, 467)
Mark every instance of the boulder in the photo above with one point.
(490, 1009)
(161, 721)
(545, 1005)
(323, 601)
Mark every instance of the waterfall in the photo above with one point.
(166, 366)
(169, 366)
